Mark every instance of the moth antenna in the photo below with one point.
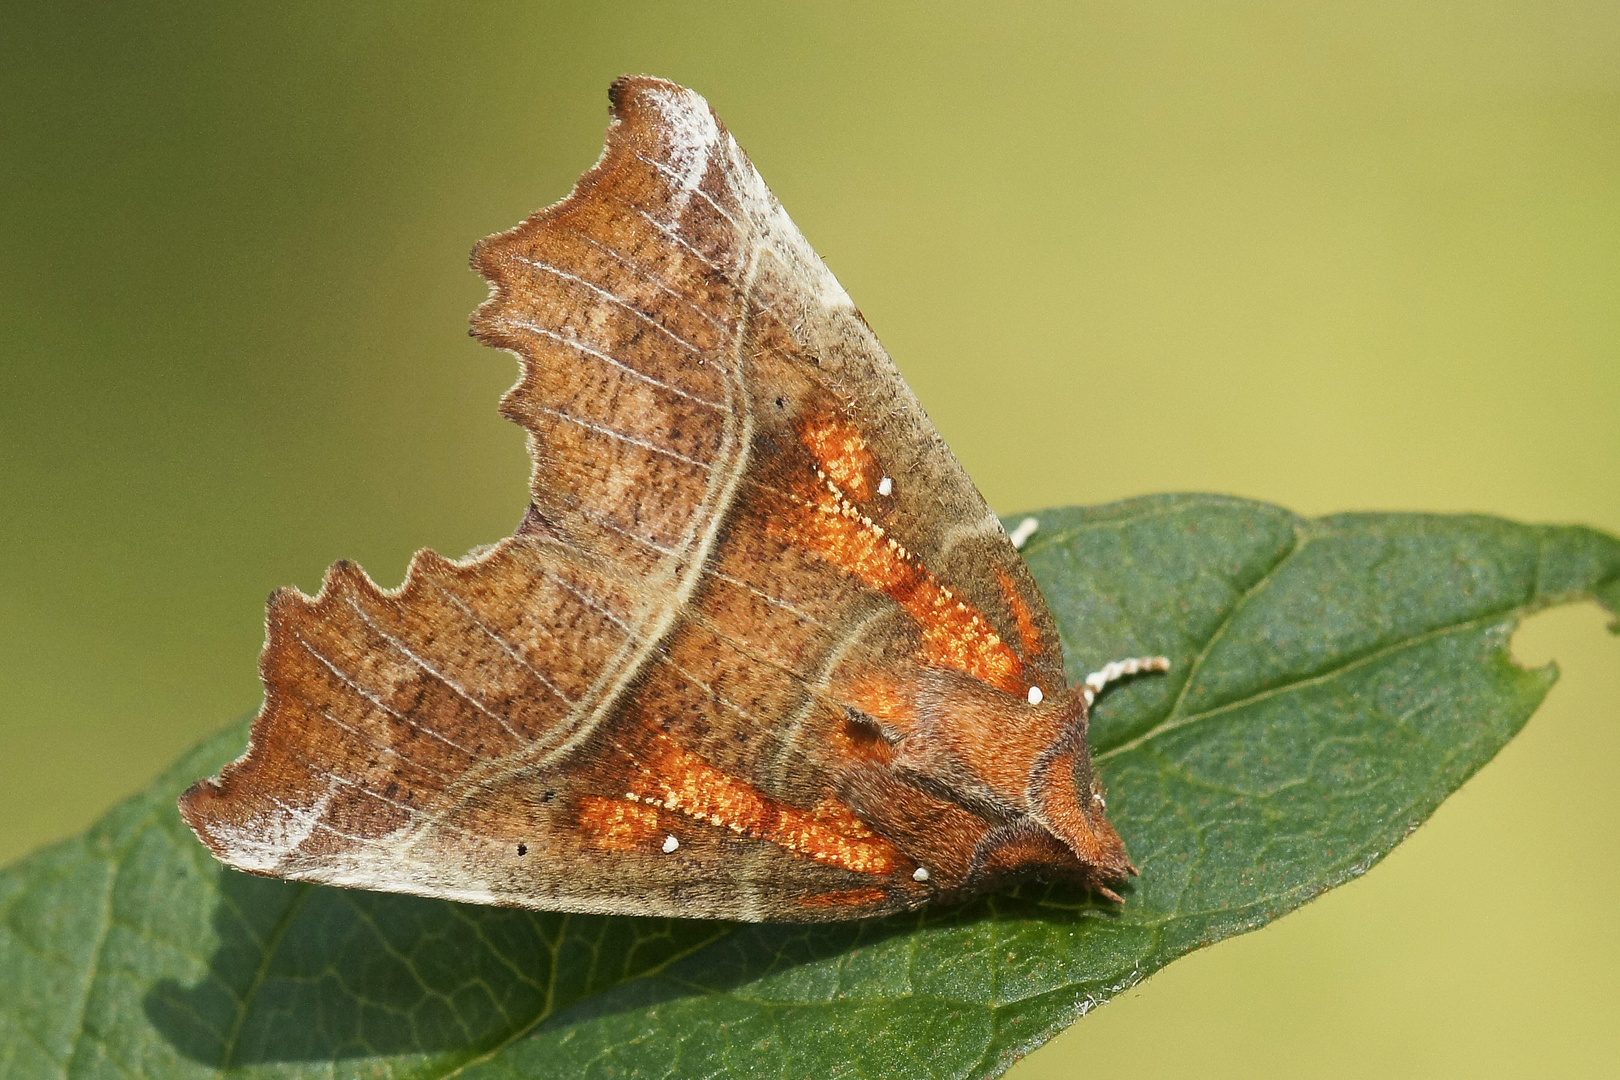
(1118, 670)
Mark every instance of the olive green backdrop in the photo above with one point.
(1336, 256)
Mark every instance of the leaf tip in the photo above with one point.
(1607, 593)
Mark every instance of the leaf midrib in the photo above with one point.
(1173, 723)
(1271, 572)
(115, 860)
(267, 954)
(549, 1008)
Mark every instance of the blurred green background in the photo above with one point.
(1335, 256)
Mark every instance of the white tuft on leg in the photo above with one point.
(1024, 530)
(1118, 670)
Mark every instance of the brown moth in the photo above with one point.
(758, 650)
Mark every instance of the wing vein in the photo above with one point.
(472, 617)
(643, 273)
(597, 354)
(411, 654)
(380, 745)
(704, 195)
(614, 299)
(348, 681)
(614, 433)
(774, 601)
(672, 234)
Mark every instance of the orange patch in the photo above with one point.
(886, 700)
(842, 454)
(832, 814)
(1026, 618)
(847, 898)
(678, 780)
(619, 825)
(954, 634)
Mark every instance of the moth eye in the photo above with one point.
(523, 849)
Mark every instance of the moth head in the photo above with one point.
(1066, 796)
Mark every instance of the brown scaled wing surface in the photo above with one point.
(759, 649)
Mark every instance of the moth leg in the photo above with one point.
(1024, 530)
(1118, 670)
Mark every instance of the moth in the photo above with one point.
(758, 649)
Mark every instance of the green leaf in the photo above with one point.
(1334, 680)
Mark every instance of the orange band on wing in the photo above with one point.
(886, 699)
(676, 779)
(843, 455)
(955, 635)
(618, 825)
(1026, 618)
